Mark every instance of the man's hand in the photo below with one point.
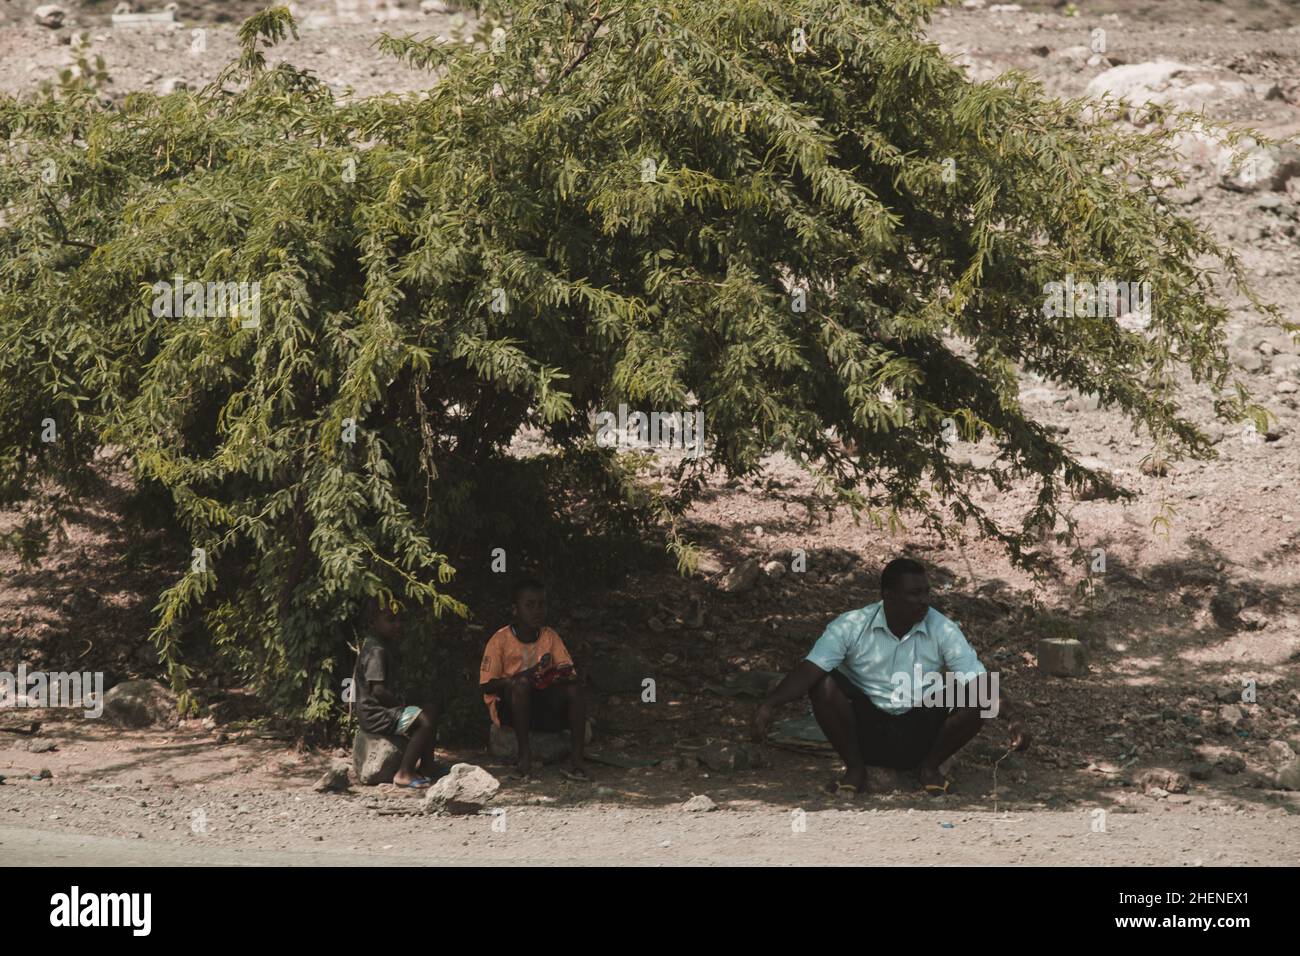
(1019, 735)
(762, 721)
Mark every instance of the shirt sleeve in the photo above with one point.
(832, 647)
(490, 669)
(560, 653)
(959, 658)
(377, 664)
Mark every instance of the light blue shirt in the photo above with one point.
(860, 644)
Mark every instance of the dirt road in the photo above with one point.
(608, 835)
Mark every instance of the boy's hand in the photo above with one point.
(525, 676)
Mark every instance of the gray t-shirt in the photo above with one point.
(376, 662)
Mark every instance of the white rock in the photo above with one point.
(699, 803)
(1179, 85)
(465, 790)
(49, 15)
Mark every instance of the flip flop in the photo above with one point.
(934, 790)
(837, 788)
(569, 773)
(419, 783)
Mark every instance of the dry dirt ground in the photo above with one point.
(1178, 622)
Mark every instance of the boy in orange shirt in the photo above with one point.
(528, 681)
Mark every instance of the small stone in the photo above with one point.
(741, 578)
(41, 745)
(1231, 764)
(699, 803)
(774, 569)
(1166, 781)
(729, 757)
(1062, 657)
(49, 15)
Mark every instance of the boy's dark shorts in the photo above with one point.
(900, 741)
(548, 711)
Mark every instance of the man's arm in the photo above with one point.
(380, 692)
(794, 685)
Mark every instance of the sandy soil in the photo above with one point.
(1164, 655)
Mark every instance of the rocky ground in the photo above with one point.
(1155, 736)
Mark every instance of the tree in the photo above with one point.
(796, 217)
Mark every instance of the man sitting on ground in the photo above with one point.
(861, 676)
(529, 683)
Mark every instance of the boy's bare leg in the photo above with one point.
(427, 765)
(421, 743)
(521, 705)
(577, 701)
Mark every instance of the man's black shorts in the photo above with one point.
(887, 740)
(549, 709)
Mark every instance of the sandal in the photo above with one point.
(576, 774)
(419, 783)
(934, 790)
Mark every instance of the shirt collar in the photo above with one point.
(878, 623)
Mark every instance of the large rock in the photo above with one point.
(1062, 657)
(1288, 777)
(467, 789)
(333, 780)
(1166, 82)
(375, 759)
(1280, 753)
(547, 746)
(140, 703)
(1252, 169)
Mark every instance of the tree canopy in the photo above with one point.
(797, 217)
